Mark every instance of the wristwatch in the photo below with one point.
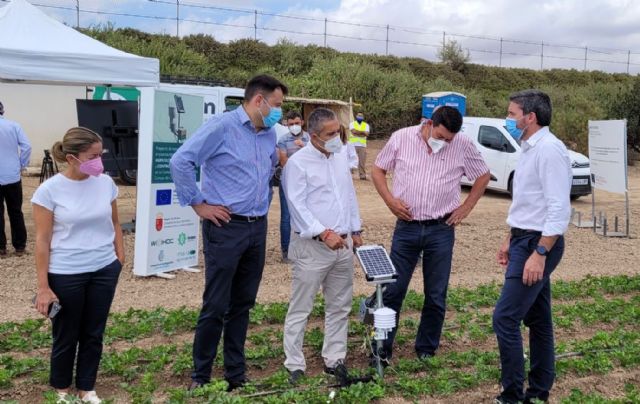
(542, 250)
(356, 233)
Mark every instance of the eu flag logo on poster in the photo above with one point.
(163, 197)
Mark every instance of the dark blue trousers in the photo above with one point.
(79, 326)
(436, 244)
(11, 194)
(234, 259)
(531, 304)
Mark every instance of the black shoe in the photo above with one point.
(502, 400)
(342, 375)
(236, 384)
(332, 371)
(329, 371)
(531, 400)
(295, 376)
(195, 385)
(3, 252)
(20, 252)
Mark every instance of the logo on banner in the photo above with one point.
(159, 222)
(163, 197)
(182, 239)
(161, 256)
(165, 241)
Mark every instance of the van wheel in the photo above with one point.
(129, 176)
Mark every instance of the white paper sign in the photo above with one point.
(167, 234)
(608, 155)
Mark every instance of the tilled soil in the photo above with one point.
(477, 240)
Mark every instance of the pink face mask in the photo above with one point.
(91, 167)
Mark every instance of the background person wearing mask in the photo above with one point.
(289, 144)
(326, 224)
(237, 153)
(539, 216)
(359, 132)
(428, 162)
(79, 256)
(15, 152)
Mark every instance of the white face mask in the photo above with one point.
(435, 144)
(295, 129)
(333, 145)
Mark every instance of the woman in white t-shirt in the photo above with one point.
(79, 256)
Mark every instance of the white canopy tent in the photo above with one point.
(35, 48)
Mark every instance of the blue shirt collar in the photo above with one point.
(244, 119)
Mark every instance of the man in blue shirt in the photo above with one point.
(15, 152)
(288, 144)
(237, 153)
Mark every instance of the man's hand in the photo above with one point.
(357, 241)
(400, 209)
(533, 269)
(216, 213)
(299, 142)
(332, 240)
(459, 215)
(503, 253)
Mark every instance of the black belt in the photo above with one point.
(516, 232)
(430, 222)
(247, 218)
(317, 238)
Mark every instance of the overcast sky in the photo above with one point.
(609, 29)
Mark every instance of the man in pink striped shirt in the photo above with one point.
(428, 161)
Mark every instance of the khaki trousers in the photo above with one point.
(362, 159)
(315, 266)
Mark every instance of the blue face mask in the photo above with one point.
(513, 130)
(274, 116)
(359, 119)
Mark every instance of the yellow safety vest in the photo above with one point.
(361, 128)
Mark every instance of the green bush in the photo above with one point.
(388, 87)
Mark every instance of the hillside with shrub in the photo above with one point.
(388, 87)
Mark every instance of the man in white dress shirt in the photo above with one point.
(538, 217)
(326, 227)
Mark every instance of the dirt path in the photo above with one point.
(473, 263)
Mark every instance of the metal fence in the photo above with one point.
(182, 17)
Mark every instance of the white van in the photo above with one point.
(501, 152)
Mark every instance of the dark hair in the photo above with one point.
(263, 84)
(449, 117)
(534, 101)
(344, 137)
(293, 115)
(317, 119)
(1, 109)
(75, 141)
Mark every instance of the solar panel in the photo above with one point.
(376, 263)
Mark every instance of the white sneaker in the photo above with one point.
(62, 398)
(91, 397)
